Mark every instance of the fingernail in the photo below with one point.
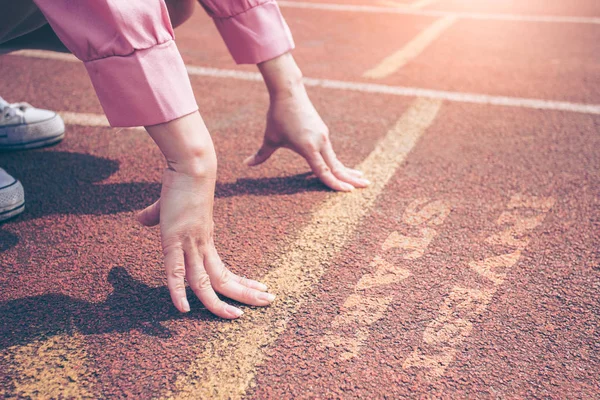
(185, 305)
(266, 296)
(365, 181)
(262, 286)
(348, 187)
(236, 312)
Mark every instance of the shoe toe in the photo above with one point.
(5, 178)
(36, 115)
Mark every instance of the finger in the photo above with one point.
(225, 283)
(355, 172)
(261, 155)
(339, 170)
(250, 283)
(323, 172)
(175, 266)
(150, 216)
(201, 284)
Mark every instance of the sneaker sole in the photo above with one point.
(13, 198)
(48, 132)
(8, 214)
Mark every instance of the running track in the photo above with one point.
(470, 267)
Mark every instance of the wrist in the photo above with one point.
(186, 145)
(200, 166)
(186, 182)
(282, 77)
(291, 89)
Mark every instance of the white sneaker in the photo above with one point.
(25, 127)
(12, 197)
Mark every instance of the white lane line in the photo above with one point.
(84, 119)
(459, 97)
(226, 365)
(88, 119)
(438, 13)
(411, 50)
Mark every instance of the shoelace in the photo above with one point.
(9, 110)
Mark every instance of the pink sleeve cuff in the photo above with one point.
(147, 87)
(256, 35)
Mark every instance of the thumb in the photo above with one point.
(261, 155)
(150, 215)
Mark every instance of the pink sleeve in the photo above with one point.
(253, 30)
(129, 52)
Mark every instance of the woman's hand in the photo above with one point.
(294, 123)
(185, 214)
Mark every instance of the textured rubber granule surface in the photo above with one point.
(470, 268)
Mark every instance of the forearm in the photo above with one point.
(282, 76)
(187, 146)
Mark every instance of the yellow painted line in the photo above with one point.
(49, 369)
(495, 268)
(364, 307)
(425, 211)
(53, 368)
(452, 325)
(361, 311)
(384, 273)
(414, 246)
(227, 364)
(454, 322)
(411, 50)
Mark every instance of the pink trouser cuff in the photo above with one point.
(146, 87)
(256, 35)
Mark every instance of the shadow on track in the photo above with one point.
(69, 183)
(8, 240)
(42, 38)
(132, 305)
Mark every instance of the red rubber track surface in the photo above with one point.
(76, 264)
